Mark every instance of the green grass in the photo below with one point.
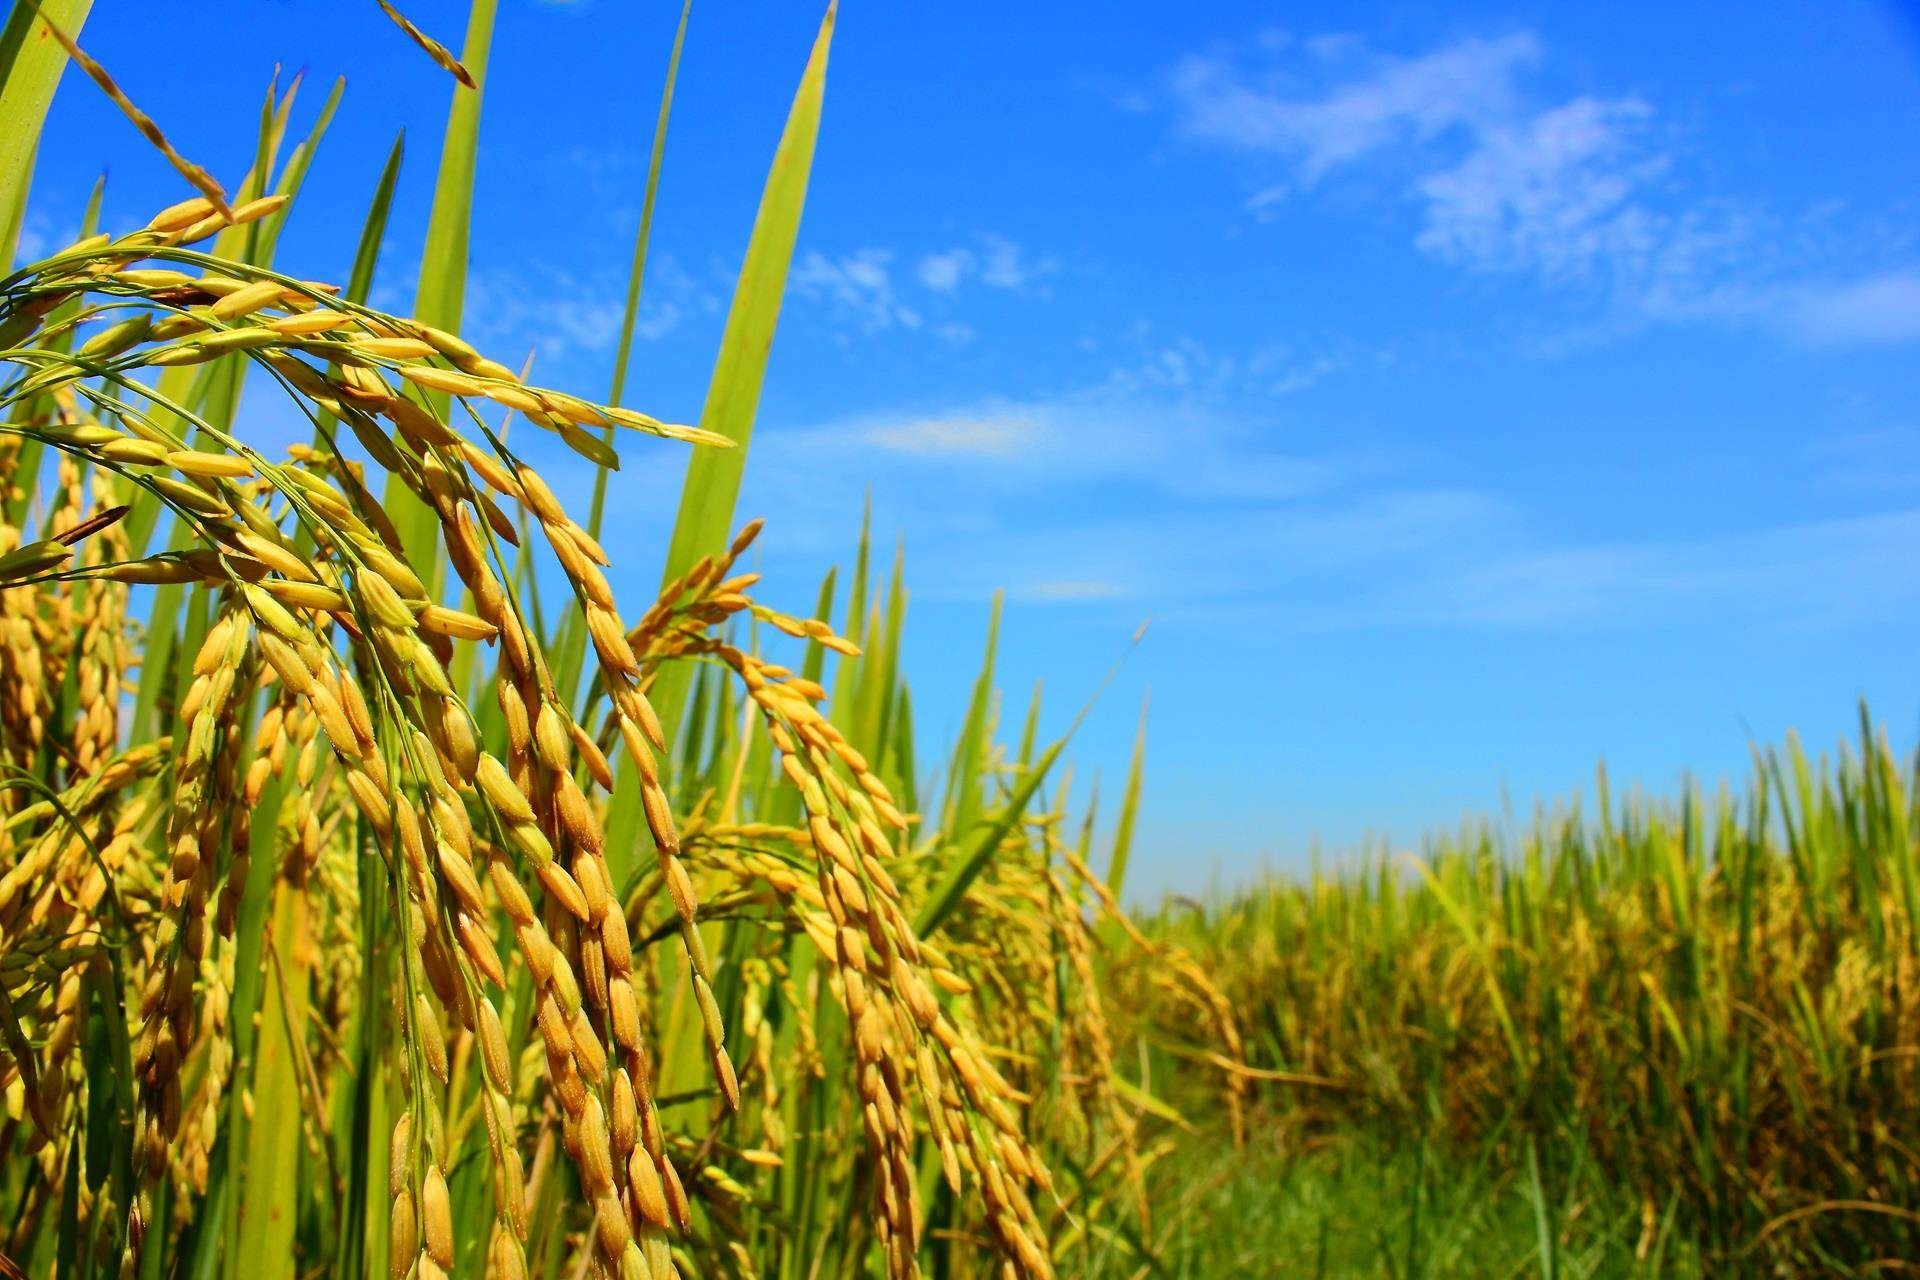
(1651, 1036)
(1368, 1206)
(360, 915)
(1711, 1000)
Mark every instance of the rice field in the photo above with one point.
(383, 893)
(1674, 1034)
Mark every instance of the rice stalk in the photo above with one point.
(319, 943)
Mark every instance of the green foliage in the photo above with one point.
(440, 299)
(335, 946)
(30, 67)
(1706, 1005)
(1373, 1206)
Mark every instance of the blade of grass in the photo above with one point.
(269, 1200)
(30, 66)
(733, 397)
(712, 485)
(15, 504)
(1129, 810)
(982, 845)
(570, 647)
(966, 774)
(441, 296)
(637, 272)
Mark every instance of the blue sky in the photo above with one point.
(1466, 395)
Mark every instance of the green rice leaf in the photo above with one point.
(712, 485)
(30, 67)
(623, 352)
(982, 845)
(1129, 810)
(733, 397)
(441, 296)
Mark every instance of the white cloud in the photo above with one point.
(858, 283)
(985, 491)
(942, 272)
(1154, 362)
(1004, 265)
(981, 437)
(1126, 500)
(1299, 377)
(1393, 102)
(1821, 305)
(1501, 183)
(1832, 572)
(1554, 192)
(990, 260)
(1879, 309)
(563, 316)
(864, 287)
(559, 315)
(1070, 591)
(1502, 177)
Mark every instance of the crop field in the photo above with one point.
(1661, 1037)
(382, 894)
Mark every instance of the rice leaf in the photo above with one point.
(705, 520)
(30, 67)
(712, 483)
(441, 296)
(1129, 811)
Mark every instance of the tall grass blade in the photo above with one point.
(1129, 811)
(441, 296)
(636, 273)
(30, 67)
(712, 483)
(705, 519)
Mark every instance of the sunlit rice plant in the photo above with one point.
(392, 900)
(1695, 1023)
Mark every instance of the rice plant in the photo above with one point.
(379, 894)
(389, 886)
(1691, 1022)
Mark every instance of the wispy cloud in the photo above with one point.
(1878, 309)
(565, 315)
(1148, 360)
(1504, 176)
(1500, 181)
(560, 315)
(989, 260)
(1816, 574)
(1292, 111)
(979, 437)
(1554, 193)
(871, 291)
(1118, 501)
(1060, 498)
(1070, 591)
(858, 283)
(1070, 444)
(943, 271)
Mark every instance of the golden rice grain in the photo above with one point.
(436, 1216)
